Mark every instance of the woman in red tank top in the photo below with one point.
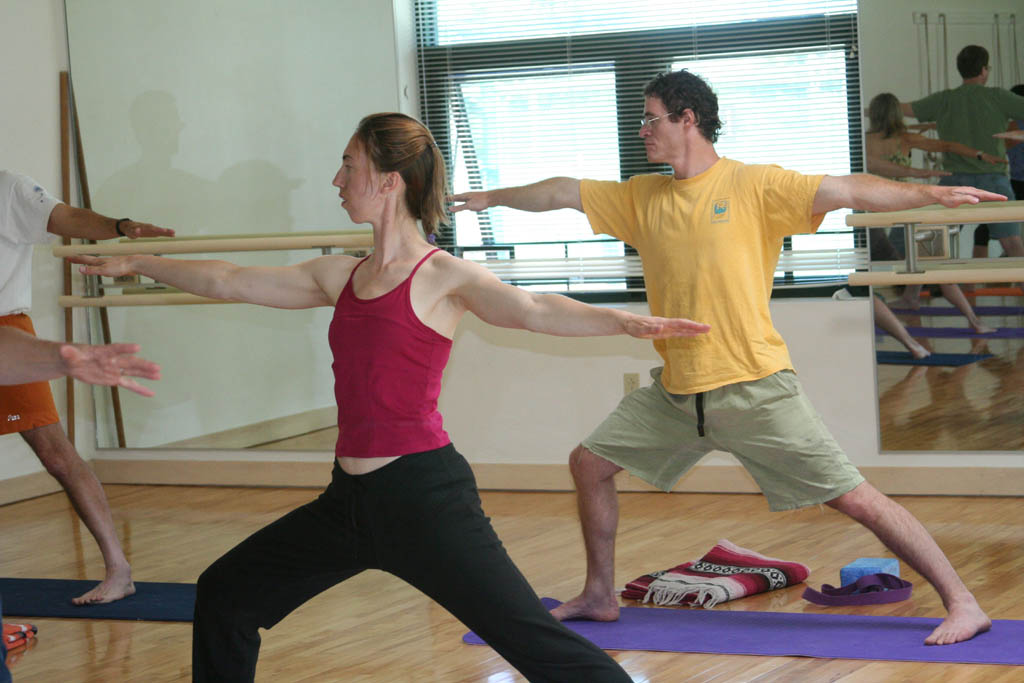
(401, 498)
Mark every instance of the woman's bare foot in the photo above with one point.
(918, 351)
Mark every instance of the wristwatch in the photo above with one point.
(979, 155)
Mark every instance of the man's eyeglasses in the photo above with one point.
(648, 121)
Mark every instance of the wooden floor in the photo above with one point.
(974, 407)
(375, 628)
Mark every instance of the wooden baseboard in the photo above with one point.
(27, 486)
(949, 481)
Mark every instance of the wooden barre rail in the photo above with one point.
(983, 212)
(938, 277)
(220, 244)
(350, 239)
(115, 300)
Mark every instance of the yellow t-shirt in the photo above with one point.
(709, 246)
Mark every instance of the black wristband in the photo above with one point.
(117, 226)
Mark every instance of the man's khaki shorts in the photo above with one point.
(768, 424)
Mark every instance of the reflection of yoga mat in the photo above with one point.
(952, 332)
(987, 291)
(953, 359)
(949, 310)
(777, 634)
(996, 291)
(52, 598)
(956, 332)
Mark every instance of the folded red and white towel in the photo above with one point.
(726, 572)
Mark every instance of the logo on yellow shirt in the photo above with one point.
(720, 211)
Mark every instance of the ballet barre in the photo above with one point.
(160, 296)
(998, 270)
(348, 239)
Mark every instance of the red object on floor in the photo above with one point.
(16, 636)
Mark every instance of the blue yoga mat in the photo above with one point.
(948, 359)
(52, 598)
(799, 634)
(949, 310)
(955, 332)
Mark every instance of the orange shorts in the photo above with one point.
(25, 406)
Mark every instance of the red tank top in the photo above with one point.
(387, 374)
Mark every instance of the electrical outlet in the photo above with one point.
(630, 382)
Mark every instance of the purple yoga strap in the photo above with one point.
(873, 589)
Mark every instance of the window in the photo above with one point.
(522, 90)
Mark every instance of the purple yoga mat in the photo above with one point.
(949, 310)
(801, 634)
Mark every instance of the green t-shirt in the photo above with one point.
(970, 115)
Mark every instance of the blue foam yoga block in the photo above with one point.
(863, 566)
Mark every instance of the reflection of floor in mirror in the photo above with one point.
(319, 440)
(313, 430)
(975, 407)
(375, 628)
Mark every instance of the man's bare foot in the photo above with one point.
(981, 328)
(581, 607)
(117, 585)
(963, 623)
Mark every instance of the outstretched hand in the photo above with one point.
(472, 201)
(650, 327)
(109, 365)
(135, 229)
(952, 197)
(993, 159)
(111, 266)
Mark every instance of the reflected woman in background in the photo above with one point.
(888, 147)
(889, 143)
(401, 498)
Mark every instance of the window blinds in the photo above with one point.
(521, 90)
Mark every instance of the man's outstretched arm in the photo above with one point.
(546, 195)
(871, 193)
(70, 221)
(24, 358)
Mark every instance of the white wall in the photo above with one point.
(894, 58)
(542, 395)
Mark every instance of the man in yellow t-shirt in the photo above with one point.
(709, 237)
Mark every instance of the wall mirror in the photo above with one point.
(972, 402)
(226, 117)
